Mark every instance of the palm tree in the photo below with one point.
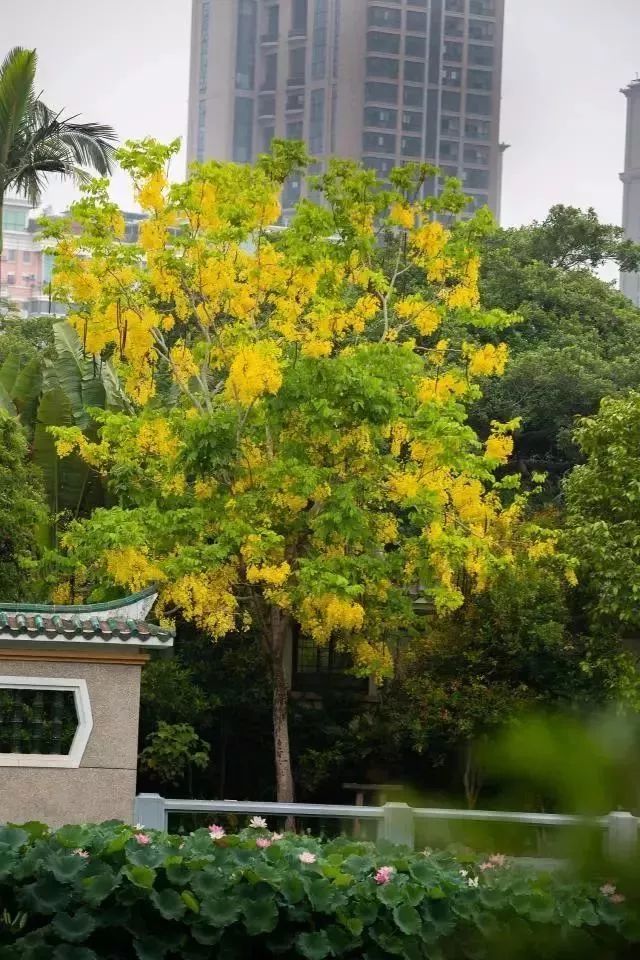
(35, 141)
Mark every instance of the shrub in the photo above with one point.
(114, 893)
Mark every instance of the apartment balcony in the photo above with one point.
(298, 33)
(269, 40)
(297, 80)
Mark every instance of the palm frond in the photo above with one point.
(17, 78)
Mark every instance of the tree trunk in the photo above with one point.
(280, 635)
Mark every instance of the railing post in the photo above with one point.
(622, 835)
(397, 825)
(149, 811)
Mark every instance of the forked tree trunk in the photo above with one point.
(280, 636)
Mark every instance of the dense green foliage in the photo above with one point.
(578, 339)
(603, 505)
(21, 512)
(108, 893)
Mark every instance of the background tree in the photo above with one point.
(299, 452)
(36, 142)
(577, 340)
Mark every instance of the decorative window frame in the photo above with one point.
(83, 730)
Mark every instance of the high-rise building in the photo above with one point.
(381, 81)
(630, 282)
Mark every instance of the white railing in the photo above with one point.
(396, 822)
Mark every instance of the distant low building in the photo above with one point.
(25, 267)
(630, 282)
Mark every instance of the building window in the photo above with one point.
(477, 129)
(415, 47)
(416, 22)
(291, 192)
(482, 8)
(452, 51)
(455, 6)
(317, 668)
(382, 166)
(412, 122)
(383, 42)
(477, 178)
(243, 130)
(413, 96)
(449, 150)
(481, 30)
(294, 130)
(316, 122)
(299, 18)
(204, 45)
(478, 200)
(451, 76)
(297, 65)
(480, 56)
(11, 279)
(379, 142)
(11, 256)
(476, 103)
(383, 67)
(451, 101)
(379, 117)
(474, 154)
(202, 130)
(453, 27)
(44, 721)
(450, 126)
(381, 92)
(26, 256)
(14, 219)
(273, 22)
(479, 79)
(319, 48)
(295, 101)
(384, 17)
(246, 45)
(270, 81)
(266, 106)
(268, 134)
(414, 71)
(411, 147)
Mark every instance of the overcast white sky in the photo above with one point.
(125, 62)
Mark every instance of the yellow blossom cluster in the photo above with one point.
(207, 598)
(131, 567)
(441, 389)
(254, 372)
(499, 447)
(327, 614)
(271, 575)
(488, 360)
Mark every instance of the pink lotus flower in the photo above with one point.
(258, 823)
(142, 838)
(216, 832)
(607, 890)
(384, 875)
(487, 865)
(276, 836)
(307, 857)
(263, 843)
(617, 898)
(498, 859)
(81, 853)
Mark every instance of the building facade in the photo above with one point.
(26, 269)
(380, 81)
(630, 282)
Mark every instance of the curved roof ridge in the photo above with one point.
(144, 599)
